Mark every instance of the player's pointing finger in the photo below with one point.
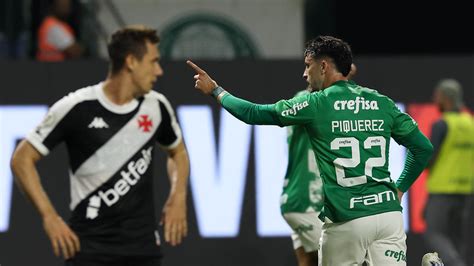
(195, 67)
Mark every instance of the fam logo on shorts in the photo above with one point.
(398, 255)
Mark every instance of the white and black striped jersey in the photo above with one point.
(110, 151)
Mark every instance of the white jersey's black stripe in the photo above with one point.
(114, 212)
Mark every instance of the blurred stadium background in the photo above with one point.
(254, 49)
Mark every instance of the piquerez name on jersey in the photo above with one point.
(110, 150)
(350, 127)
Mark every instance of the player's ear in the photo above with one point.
(324, 66)
(130, 62)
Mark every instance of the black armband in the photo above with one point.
(215, 92)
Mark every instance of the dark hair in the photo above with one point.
(130, 40)
(334, 48)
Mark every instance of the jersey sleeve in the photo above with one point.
(168, 133)
(52, 130)
(295, 111)
(298, 110)
(403, 124)
(248, 112)
(420, 151)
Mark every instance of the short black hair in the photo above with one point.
(336, 49)
(129, 40)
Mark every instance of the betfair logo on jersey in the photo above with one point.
(398, 255)
(295, 108)
(130, 177)
(356, 105)
(372, 199)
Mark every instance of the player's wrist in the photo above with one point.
(218, 93)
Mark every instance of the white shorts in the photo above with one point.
(377, 239)
(306, 230)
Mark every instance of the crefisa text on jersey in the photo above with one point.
(295, 108)
(356, 125)
(356, 105)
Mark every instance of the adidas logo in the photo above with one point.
(98, 122)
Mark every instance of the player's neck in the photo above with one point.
(117, 89)
(333, 78)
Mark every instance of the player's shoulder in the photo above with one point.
(302, 92)
(160, 98)
(76, 97)
(156, 96)
(374, 94)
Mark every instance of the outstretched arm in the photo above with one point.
(23, 163)
(174, 211)
(248, 112)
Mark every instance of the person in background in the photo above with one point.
(352, 72)
(450, 182)
(111, 130)
(56, 38)
(302, 197)
(349, 127)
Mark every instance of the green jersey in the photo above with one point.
(302, 190)
(349, 128)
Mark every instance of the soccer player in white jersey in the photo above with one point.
(110, 130)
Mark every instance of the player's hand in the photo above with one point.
(63, 240)
(174, 219)
(204, 82)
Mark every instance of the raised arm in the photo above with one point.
(247, 112)
(23, 164)
(282, 113)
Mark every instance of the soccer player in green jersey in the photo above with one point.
(302, 199)
(349, 127)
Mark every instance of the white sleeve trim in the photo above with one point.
(35, 140)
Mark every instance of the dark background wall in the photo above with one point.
(406, 79)
(393, 27)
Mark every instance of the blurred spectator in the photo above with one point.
(353, 72)
(56, 38)
(13, 34)
(450, 182)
